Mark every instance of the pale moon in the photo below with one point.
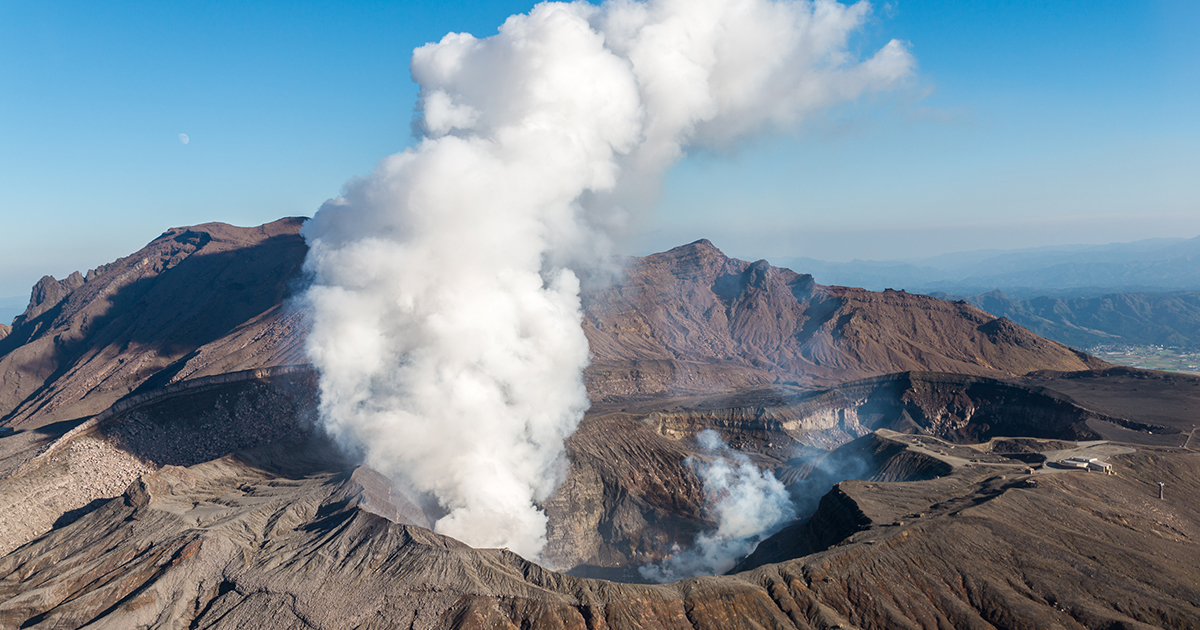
(183, 138)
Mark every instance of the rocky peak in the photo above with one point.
(700, 257)
(751, 324)
(700, 245)
(47, 293)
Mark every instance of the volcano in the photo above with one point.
(167, 468)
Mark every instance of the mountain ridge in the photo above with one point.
(204, 494)
(86, 341)
(1167, 319)
(161, 315)
(760, 324)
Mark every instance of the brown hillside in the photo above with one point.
(85, 342)
(693, 320)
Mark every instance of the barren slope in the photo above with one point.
(692, 320)
(141, 321)
(228, 544)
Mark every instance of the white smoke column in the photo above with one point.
(445, 305)
(750, 505)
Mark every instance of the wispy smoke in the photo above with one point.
(445, 307)
(749, 504)
(818, 473)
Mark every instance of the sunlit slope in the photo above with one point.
(693, 320)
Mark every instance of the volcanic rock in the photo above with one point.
(630, 500)
(47, 293)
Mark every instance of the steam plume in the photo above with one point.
(445, 308)
(750, 505)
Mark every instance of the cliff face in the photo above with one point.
(692, 320)
(629, 497)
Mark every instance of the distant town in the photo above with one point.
(1165, 358)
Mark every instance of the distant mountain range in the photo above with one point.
(1151, 265)
(1167, 319)
(1141, 293)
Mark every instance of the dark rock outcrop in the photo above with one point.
(46, 294)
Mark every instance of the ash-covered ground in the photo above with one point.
(199, 489)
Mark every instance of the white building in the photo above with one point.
(1086, 463)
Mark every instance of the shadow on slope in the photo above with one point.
(141, 316)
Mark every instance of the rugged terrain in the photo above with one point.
(693, 320)
(1169, 319)
(980, 544)
(209, 299)
(168, 471)
(196, 301)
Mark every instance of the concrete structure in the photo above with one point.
(1086, 463)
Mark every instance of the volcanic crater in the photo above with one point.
(168, 468)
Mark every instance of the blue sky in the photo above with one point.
(1028, 125)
